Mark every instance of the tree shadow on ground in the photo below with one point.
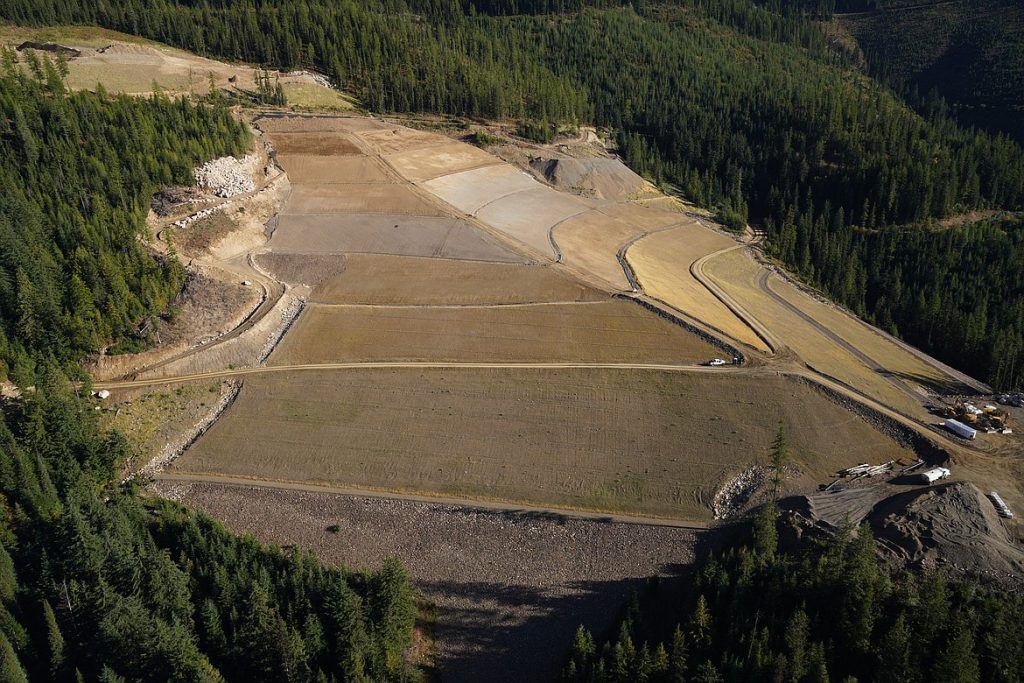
(514, 632)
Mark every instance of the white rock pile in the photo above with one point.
(198, 215)
(227, 176)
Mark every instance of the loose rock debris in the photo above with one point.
(227, 176)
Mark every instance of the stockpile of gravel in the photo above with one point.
(227, 176)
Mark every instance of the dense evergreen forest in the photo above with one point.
(740, 104)
(76, 176)
(823, 610)
(98, 582)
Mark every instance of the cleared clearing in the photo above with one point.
(324, 143)
(323, 169)
(310, 95)
(591, 242)
(627, 441)
(392, 138)
(609, 331)
(372, 279)
(469, 190)
(736, 272)
(382, 234)
(443, 158)
(357, 198)
(661, 262)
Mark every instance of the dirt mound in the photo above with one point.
(952, 526)
(599, 177)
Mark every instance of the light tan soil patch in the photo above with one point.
(372, 279)
(736, 272)
(661, 262)
(614, 440)
(358, 198)
(528, 216)
(398, 138)
(611, 331)
(591, 242)
(640, 215)
(302, 269)
(325, 143)
(883, 350)
(381, 234)
(441, 159)
(469, 190)
(312, 168)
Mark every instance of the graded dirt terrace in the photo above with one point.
(325, 143)
(325, 169)
(591, 241)
(638, 441)
(738, 274)
(431, 236)
(374, 279)
(440, 159)
(344, 198)
(661, 262)
(598, 332)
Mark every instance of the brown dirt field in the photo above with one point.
(318, 124)
(302, 269)
(469, 190)
(608, 331)
(591, 241)
(528, 216)
(378, 234)
(324, 143)
(736, 273)
(357, 198)
(311, 168)
(372, 279)
(438, 160)
(398, 139)
(882, 350)
(661, 262)
(634, 441)
(504, 583)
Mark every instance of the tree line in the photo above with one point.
(814, 609)
(741, 105)
(77, 172)
(99, 581)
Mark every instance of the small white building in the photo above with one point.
(934, 474)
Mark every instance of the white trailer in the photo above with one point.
(1000, 506)
(934, 474)
(960, 429)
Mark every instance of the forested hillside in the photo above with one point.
(76, 176)
(98, 582)
(971, 52)
(825, 611)
(741, 105)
